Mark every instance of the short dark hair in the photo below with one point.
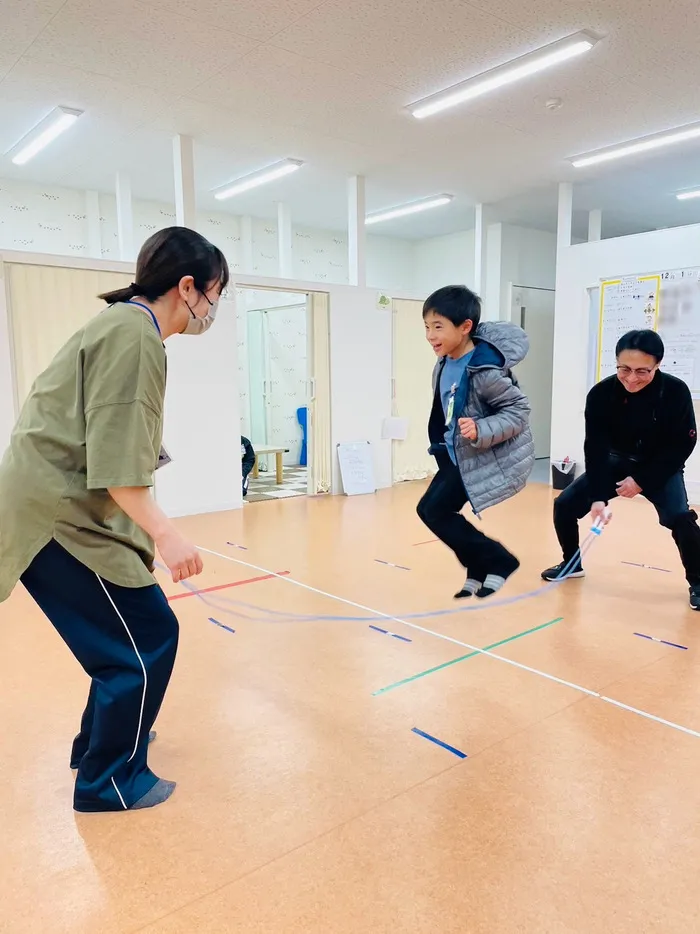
(167, 257)
(644, 341)
(457, 303)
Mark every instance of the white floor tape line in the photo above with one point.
(466, 645)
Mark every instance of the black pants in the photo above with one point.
(671, 504)
(440, 509)
(126, 640)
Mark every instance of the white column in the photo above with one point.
(484, 216)
(492, 274)
(284, 240)
(92, 209)
(570, 356)
(357, 263)
(183, 167)
(595, 224)
(565, 215)
(480, 233)
(125, 217)
(247, 243)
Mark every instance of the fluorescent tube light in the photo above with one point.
(415, 207)
(516, 70)
(688, 195)
(646, 144)
(45, 132)
(270, 174)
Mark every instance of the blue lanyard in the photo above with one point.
(146, 308)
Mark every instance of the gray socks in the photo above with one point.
(160, 792)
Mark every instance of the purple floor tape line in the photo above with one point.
(674, 645)
(647, 567)
(234, 545)
(390, 565)
(386, 632)
(217, 623)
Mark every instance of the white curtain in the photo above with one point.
(413, 362)
(320, 406)
(48, 304)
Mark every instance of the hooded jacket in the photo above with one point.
(498, 463)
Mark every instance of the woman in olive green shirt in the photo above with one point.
(79, 526)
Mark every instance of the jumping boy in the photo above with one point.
(479, 432)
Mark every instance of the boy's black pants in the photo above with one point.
(440, 509)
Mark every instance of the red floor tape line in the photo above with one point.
(251, 580)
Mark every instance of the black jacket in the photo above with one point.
(655, 428)
(247, 456)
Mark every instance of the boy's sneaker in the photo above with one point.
(695, 597)
(575, 572)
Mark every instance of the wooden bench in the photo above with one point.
(262, 451)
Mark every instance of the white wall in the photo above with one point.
(390, 264)
(361, 341)
(51, 219)
(7, 387)
(442, 261)
(201, 425)
(528, 257)
(578, 268)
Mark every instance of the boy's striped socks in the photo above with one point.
(469, 589)
(492, 584)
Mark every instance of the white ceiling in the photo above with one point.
(327, 82)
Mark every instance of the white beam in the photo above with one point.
(284, 240)
(125, 217)
(357, 261)
(92, 209)
(595, 224)
(183, 168)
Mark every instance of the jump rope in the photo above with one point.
(243, 610)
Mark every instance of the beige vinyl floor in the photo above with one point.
(306, 801)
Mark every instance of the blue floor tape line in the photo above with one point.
(439, 742)
(402, 638)
(377, 629)
(217, 623)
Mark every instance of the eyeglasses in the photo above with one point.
(642, 372)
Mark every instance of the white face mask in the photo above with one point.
(198, 325)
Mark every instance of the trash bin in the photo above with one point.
(563, 474)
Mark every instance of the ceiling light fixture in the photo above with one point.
(688, 195)
(45, 132)
(254, 180)
(645, 144)
(415, 207)
(515, 70)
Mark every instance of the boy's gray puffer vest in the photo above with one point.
(497, 465)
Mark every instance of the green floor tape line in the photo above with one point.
(463, 658)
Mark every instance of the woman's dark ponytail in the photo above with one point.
(120, 295)
(167, 257)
